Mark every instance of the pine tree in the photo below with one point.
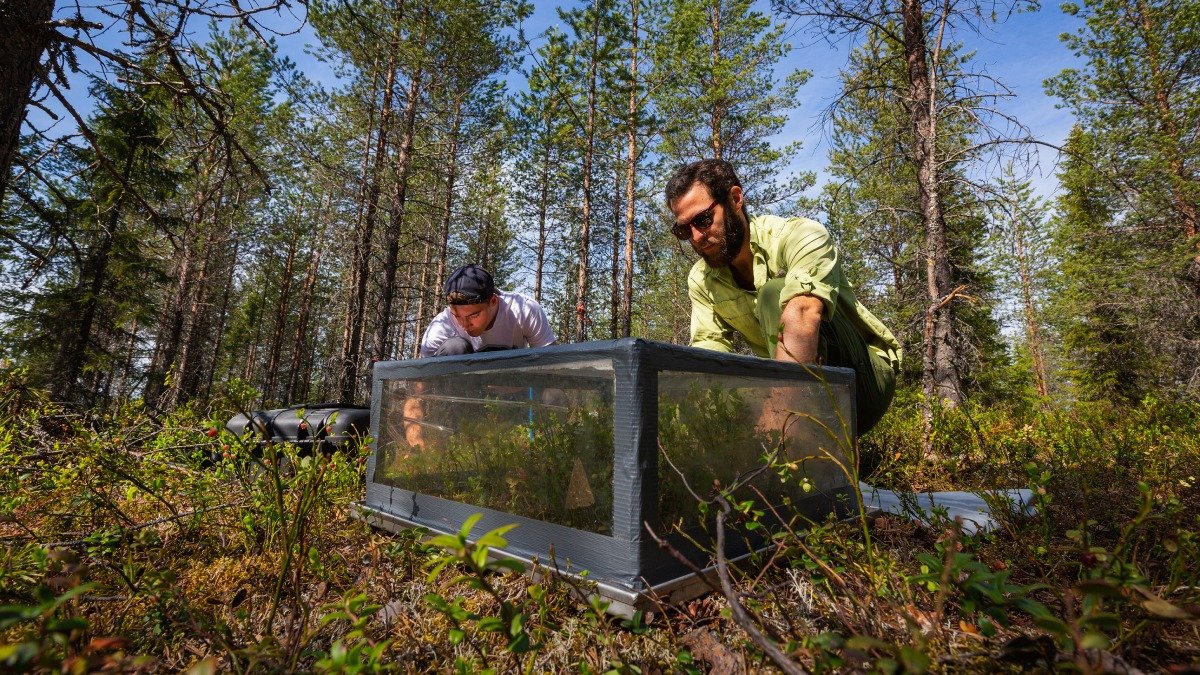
(1138, 97)
(76, 326)
(1097, 305)
(1022, 259)
(718, 94)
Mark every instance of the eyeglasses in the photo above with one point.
(702, 221)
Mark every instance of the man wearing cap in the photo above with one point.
(481, 318)
(778, 282)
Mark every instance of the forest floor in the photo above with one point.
(125, 546)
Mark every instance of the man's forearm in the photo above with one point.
(800, 328)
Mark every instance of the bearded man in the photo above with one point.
(779, 283)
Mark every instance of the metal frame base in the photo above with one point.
(622, 602)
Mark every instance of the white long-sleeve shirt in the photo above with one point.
(520, 322)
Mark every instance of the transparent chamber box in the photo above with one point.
(584, 446)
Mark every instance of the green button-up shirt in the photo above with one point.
(801, 252)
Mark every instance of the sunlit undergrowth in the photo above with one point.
(131, 542)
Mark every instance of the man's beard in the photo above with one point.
(731, 240)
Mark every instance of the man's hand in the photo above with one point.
(800, 329)
(778, 407)
(413, 434)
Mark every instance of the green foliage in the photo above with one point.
(1127, 220)
(490, 460)
(45, 631)
(355, 651)
(510, 621)
(720, 97)
(875, 210)
(984, 596)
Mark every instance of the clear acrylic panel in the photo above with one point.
(714, 429)
(536, 441)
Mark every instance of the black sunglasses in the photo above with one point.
(702, 221)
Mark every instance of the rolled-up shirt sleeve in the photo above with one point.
(708, 330)
(811, 264)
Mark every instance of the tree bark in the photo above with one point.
(1178, 175)
(614, 281)
(1033, 334)
(581, 318)
(383, 344)
(24, 37)
(433, 295)
(939, 377)
(307, 292)
(360, 264)
(543, 206)
(715, 118)
(283, 309)
(630, 178)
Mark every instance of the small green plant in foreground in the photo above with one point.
(510, 621)
(355, 651)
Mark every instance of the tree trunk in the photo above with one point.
(434, 293)
(614, 291)
(543, 206)
(1033, 335)
(360, 263)
(1182, 201)
(383, 345)
(716, 119)
(195, 336)
(581, 318)
(24, 37)
(74, 350)
(939, 377)
(231, 246)
(630, 179)
(166, 344)
(307, 291)
(283, 310)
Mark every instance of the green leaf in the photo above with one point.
(492, 624)
(517, 624)
(445, 541)
(1104, 621)
(1092, 640)
(519, 644)
(1052, 625)
(1031, 607)
(495, 538)
(914, 660)
(457, 635)
(1100, 588)
(468, 525)
(438, 566)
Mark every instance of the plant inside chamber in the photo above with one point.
(555, 462)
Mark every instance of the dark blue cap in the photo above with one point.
(469, 285)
